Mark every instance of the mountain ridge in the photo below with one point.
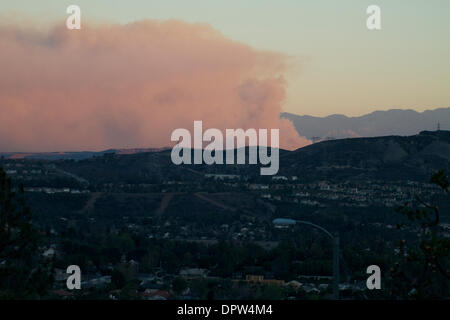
(413, 158)
(403, 122)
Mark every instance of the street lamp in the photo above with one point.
(335, 239)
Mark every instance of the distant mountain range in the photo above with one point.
(393, 122)
(73, 155)
(375, 124)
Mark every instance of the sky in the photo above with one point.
(340, 66)
(232, 63)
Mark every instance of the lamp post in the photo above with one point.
(335, 240)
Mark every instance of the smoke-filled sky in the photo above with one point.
(125, 86)
(130, 76)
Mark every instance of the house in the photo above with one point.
(60, 275)
(256, 186)
(222, 176)
(49, 253)
(294, 284)
(96, 282)
(192, 273)
(277, 178)
(260, 279)
(63, 293)
(154, 294)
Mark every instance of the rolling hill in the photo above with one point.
(380, 158)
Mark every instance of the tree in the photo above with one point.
(124, 275)
(422, 270)
(23, 273)
(118, 279)
(179, 285)
(270, 292)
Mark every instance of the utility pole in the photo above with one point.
(336, 267)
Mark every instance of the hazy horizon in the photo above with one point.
(138, 70)
(444, 126)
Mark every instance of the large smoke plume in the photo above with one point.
(126, 86)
